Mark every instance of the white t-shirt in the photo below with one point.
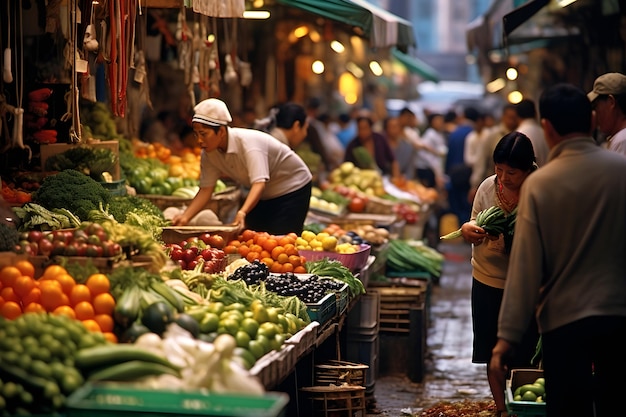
(253, 156)
(617, 142)
(533, 130)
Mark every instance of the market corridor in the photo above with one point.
(450, 375)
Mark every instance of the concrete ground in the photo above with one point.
(450, 376)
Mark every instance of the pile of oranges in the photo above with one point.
(279, 253)
(57, 292)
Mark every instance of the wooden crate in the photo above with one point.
(340, 401)
(56, 148)
(396, 304)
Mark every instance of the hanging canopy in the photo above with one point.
(383, 28)
(416, 66)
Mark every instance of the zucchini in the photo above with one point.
(128, 306)
(107, 355)
(131, 370)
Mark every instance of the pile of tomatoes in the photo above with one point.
(205, 249)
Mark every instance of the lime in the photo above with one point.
(248, 314)
(26, 397)
(256, 349)
(40, 368)
(242, 338)
(260, 314)
(247, 357)
(71, 382)
(539, 399)
(235, 307)
(517, 398)
(277, 342)
(272, 314)
(268, 329)
(540, 381)
(529, 396)
(216, 307)
(11, 390)
(209, 323)
(231, 326)
(250, 326)
(264, 341)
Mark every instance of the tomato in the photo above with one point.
(357, 205)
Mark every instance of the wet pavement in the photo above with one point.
(450, 375)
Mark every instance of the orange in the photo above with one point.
(268, 261)
(243, 250)
(277, 251)
(91, 325)
(264, 254)
(251, 256)
(285, 240)
(105, 321)
(270, 244)
(52, 271)
(230, 249)
(294, 260)
(24, 285)
(67, 283)
(103, 303)
(247, 234)
(10, 310)
(84, 311)
(276, 268)
(52, 294)
(8, 275)
(299, 270)
(290, 249)
(8, 294)
(34, 308)
(98, 284)
(65, 310)
(79, 293)
(34, 296)
(26, 267)
(282, 258)
(287, 267)
(111, 337)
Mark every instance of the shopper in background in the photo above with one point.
(514, 161)
(457, 171)
(608, 99)
(346, 128)
(484, 166)
(429, 161)
(287, 122)
(279, 181)
(475, 141)
(529, 125)
(402, 150)
(377, 153)
(567, 265)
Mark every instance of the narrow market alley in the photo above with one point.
(450, 376)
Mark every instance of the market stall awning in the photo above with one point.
(381, 27)
(416, 65)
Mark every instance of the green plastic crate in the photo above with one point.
(108, 400)
(523, 408)
(324, 310)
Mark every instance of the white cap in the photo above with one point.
(212, 112)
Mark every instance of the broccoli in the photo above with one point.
(71, 190)
(120, 206)
(9, 237)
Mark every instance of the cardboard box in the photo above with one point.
(56, 148)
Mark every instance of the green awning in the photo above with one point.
(416, 65)
(383, 28)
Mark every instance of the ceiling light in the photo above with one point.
(495, 85)
(511, 74)
(317, 67)
(355, 69)
(515, 97)
(376, 69)
(337, 47)
(256, 14)
(301, 31)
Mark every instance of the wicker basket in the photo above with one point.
(341, 401)
(340, 372)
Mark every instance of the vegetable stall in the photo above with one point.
(105, 307)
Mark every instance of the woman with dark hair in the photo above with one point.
(373, 150)
(514, 161)
(287, 122)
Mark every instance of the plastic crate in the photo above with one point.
(396, 304)
(353, 261)
(523, 408)
(342, 297)
(342, 401)
(323, 310)
(112, 400)
(364, 314)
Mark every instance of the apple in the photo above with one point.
(207, 254)
(205, 237)
(191, 265)
(189, 255)
(181, 263)
(216, 241)
(45, 247)
(81, 248)
(176, 254)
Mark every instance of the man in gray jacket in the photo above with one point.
(568, 264)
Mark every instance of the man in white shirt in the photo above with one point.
(608, 99)
(529, 125)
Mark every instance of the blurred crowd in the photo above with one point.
(451, 151)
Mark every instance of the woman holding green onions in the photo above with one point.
(514, 160)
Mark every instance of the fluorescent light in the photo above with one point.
(355, 69)
(256, 14)
(495, 85)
